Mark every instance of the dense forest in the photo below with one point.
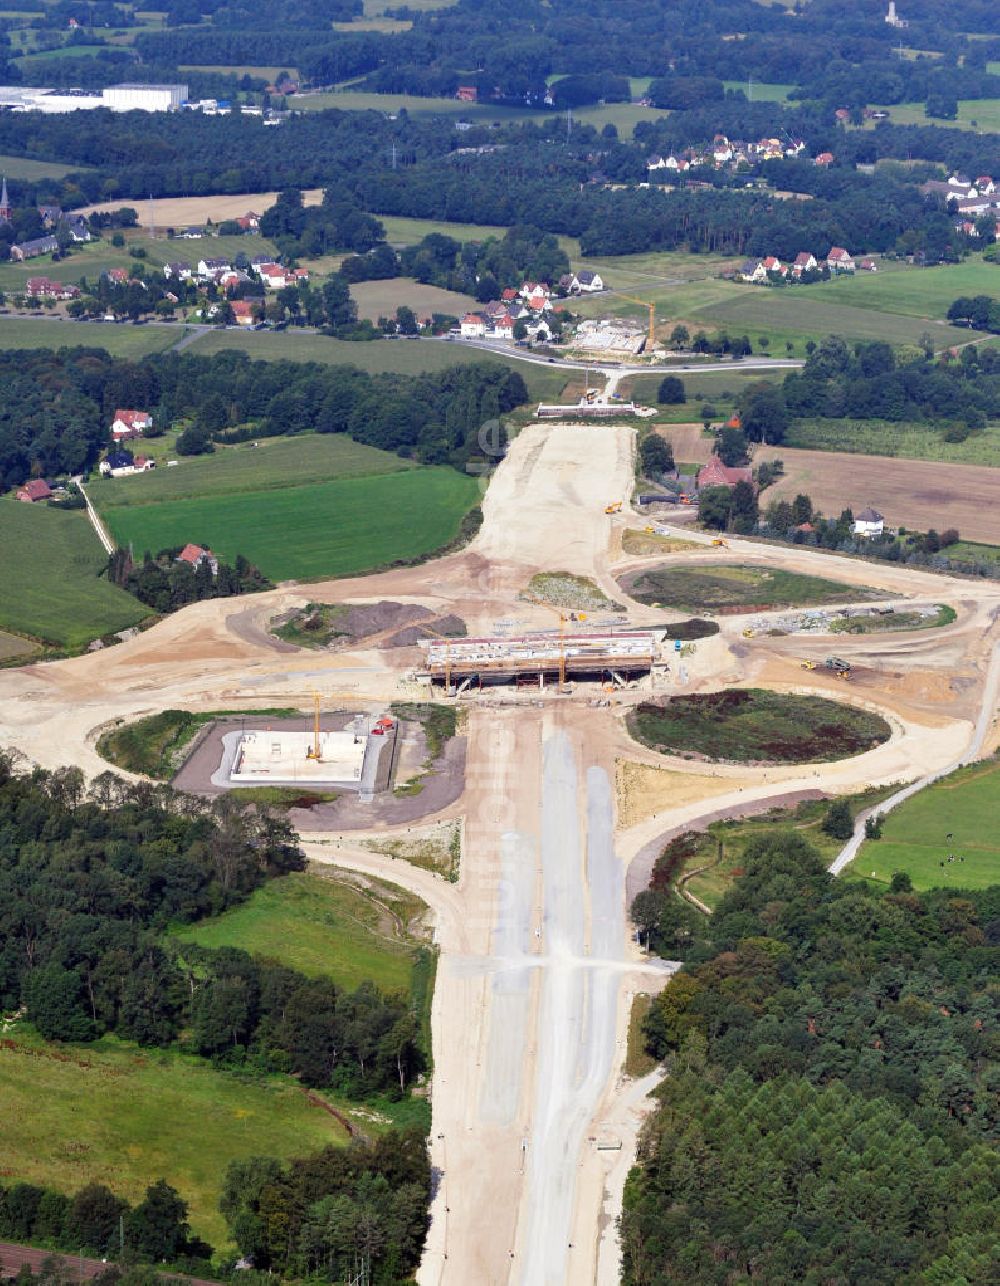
(831, 1110)
(56, 408)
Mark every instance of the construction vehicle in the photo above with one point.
(807, 665)
(748, 633)
(651, 332)
(382, 726)
(686, 499)
(840, 667)
(614, 508)
(723, 544)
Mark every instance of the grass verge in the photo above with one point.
(753, 725)
(638, 1062)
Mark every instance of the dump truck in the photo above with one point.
(724, 544)
(840, 667)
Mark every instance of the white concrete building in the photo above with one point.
(130, 97)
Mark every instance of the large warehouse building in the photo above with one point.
(120, 98)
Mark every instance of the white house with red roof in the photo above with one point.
(194, 556)
(804, 262)
(130, 424)
(839, 260)
(473, 326)
(773, 264)
(242, 312)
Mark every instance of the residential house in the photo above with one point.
(773, 264)
(824, 158)
(804, 262)
(587, 282)
(753, 270)
(467, 93)
(509, 294)
(194, 556)
(36, 489)
(473, 326)
(192, 234)
(77, 227)
(117, 464)
(503, 326)
(130, 424)
(118, 276)
(263, 261)
(717, 474)
(838, 260)
(273, 275)
(868, 265)
(180, 269)
(32, 249)
(231, 280)
(211, 267)
(50, 215)
(249, 222)
(243, 312)
(869, 522)
(535, 288)
(44, 288)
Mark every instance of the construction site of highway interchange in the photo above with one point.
(534, 1121)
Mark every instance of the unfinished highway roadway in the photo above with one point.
(537, 966)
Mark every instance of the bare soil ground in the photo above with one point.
(688, 441)
(912, 493)
(377, 299)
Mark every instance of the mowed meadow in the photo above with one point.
(297, 508)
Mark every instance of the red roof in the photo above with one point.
(509, 293)
(241, 308)
(734, 421)
(838, 252)
(193, 554)
(134, 419)
(36, 489)
(717, 474)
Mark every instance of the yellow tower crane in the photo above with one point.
(651, 337)
(316, 698)
(563, 618)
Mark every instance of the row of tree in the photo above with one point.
(166, 584)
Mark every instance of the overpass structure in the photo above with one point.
(613, 656)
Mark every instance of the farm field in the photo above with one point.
(888, 438)
(403, 231)
(323, 926)
(917, 292)
(240, 69)
(915, 835)
(753, 725)
(23, 167)
(707, 587)
(11, 646)
(276, 463)
(55, 332)
(407, 357)
(139, 1114)
(912, 493)
(377, 299)
(332, 528)
(181, 211)
(50, 588)
(761, 91)
(718, 388)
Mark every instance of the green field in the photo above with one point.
(761, 91)
(50, 587)
(116, 1114)
(915, 835)
(980, 114)
(275, 464)
(332, 528)
(887, 438)
(916, 292)
(705, 588)
(754, 725)
(120, 341)
(405, 357)
(324, 926)
(23, 167)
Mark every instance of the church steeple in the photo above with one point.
(5, 210)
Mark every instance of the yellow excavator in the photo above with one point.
(614, 508)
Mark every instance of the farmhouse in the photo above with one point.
(869, 522)
(194, 556)
(36, 489)
(32, 249)
(717, 474)
(130, 424)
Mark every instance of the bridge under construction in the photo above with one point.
(613, 657)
